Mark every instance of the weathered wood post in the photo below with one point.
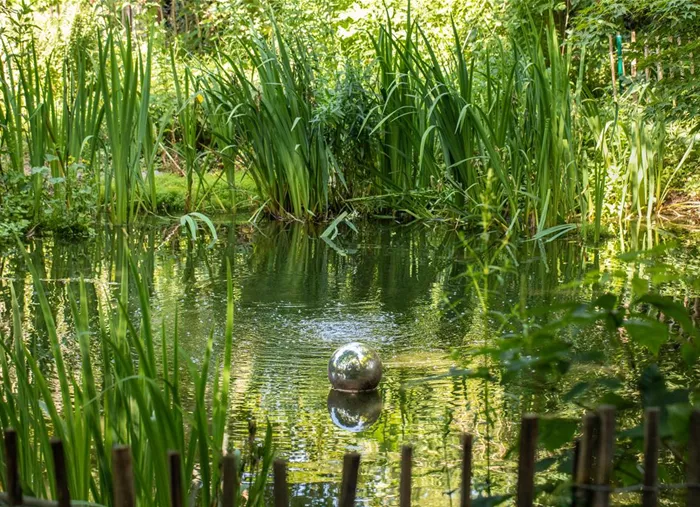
(585, 459)
(280, 483)
(606, 448)
(526, 460)
(650, 494)
(14, 487)
(175, 469)
(466, 487)
(123, 477)
(693, 466)
(405, 481)
(230, 467)
(60, 473)
(348, 488)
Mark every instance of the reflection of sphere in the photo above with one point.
(354, 411)
(354, 367)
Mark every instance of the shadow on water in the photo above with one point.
(415, 293)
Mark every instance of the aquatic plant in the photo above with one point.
(283, 146)
(120, 380)
(125, 81)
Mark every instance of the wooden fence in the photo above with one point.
(644, 59)
(593, 467)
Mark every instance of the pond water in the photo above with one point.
(414, 293)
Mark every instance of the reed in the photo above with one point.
(406, 153)
(125, 80)
(113, 384)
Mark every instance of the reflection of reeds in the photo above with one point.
(122, 391)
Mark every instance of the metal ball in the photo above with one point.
(354, 411)
(354, 367)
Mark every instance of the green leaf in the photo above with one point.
(640, 286)
(647, 332)
(555, 432)
(690, 353)
(606, 302)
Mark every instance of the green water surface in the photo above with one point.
(420, 295)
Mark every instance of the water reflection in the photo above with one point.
(415, 294)
(354, 412)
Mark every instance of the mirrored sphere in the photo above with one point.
(355, 367)
(354, 411)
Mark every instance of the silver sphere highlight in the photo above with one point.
(355, 367)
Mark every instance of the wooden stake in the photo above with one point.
(584, 464)
(693, 466)
(466, 493)
(612, 67)
(606, 448)
(647, 70)
(280, 483)
(406, 470)
(526, 461)
(13, 484)
(692, 64)
(348, 489)
(650, 494)
(123, 477)
(633, 65)
(659, 67)
(175, 479)
(60, 473)
(670, 67)
(230, 467)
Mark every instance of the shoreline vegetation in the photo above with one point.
(517, 131)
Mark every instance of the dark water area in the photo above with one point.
(418, 294)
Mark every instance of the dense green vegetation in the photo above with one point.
(513, 119)
(506, 124)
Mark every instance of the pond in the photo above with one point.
(417, 294)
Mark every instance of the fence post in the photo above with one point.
(122, 469)
(348, 488)
(693, 467)
(230, 467)
(14, 487)
(280, 483)
(612, 67)
(585, 459)
(650, 495)
(405, 481)
(647, 70)
(633, 67)
(659, 66)
(605, 455)
(175, 479)
(466, 493)
(526, 460)
(60, 473)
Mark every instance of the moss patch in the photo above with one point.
(212, 195)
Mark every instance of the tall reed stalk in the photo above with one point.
(125, 80)
(284, 147)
